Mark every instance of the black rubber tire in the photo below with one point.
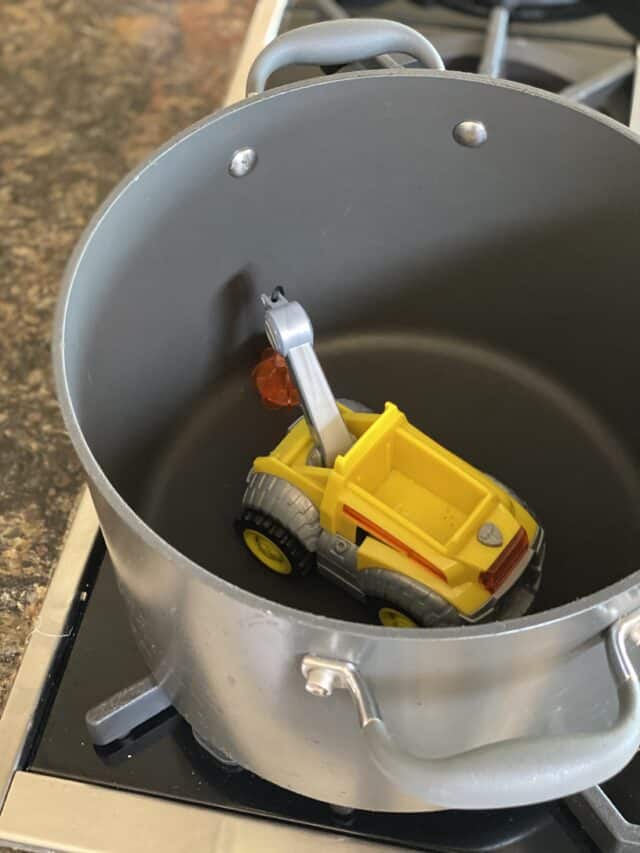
(301, 559)
(425, 607)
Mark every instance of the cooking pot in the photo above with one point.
(467, 247)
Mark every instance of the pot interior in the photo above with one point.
(522, 428)
(491, 293)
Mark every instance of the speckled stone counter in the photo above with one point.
(88, 88)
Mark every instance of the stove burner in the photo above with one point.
(519, 72)
(531, 10)
(626, 13)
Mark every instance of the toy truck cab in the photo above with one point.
(386, 512)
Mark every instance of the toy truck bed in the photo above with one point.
(406, 477)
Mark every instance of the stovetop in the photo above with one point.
(64, 793)
(91, 653)
(529, 10)
(588, 58)
(163, 758)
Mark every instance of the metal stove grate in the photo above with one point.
(533, 43)
(532, 10)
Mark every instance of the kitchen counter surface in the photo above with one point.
(88, 89)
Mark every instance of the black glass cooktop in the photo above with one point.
(162, 758)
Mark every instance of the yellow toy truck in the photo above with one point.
(378, 507)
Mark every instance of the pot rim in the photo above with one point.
(153, 539)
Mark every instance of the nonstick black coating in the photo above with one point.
(504, 418)
(365, 209)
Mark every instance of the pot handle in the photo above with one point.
(339, 43)
(509, 773)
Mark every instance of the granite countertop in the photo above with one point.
(89, 88)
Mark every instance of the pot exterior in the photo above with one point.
(232, 669)
(229, 660)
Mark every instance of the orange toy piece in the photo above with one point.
(274, 382)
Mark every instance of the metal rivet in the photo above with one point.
(320, 682)
(242, 162)
(471, 134)
(491, 535)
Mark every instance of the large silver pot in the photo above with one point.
(491, 290)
